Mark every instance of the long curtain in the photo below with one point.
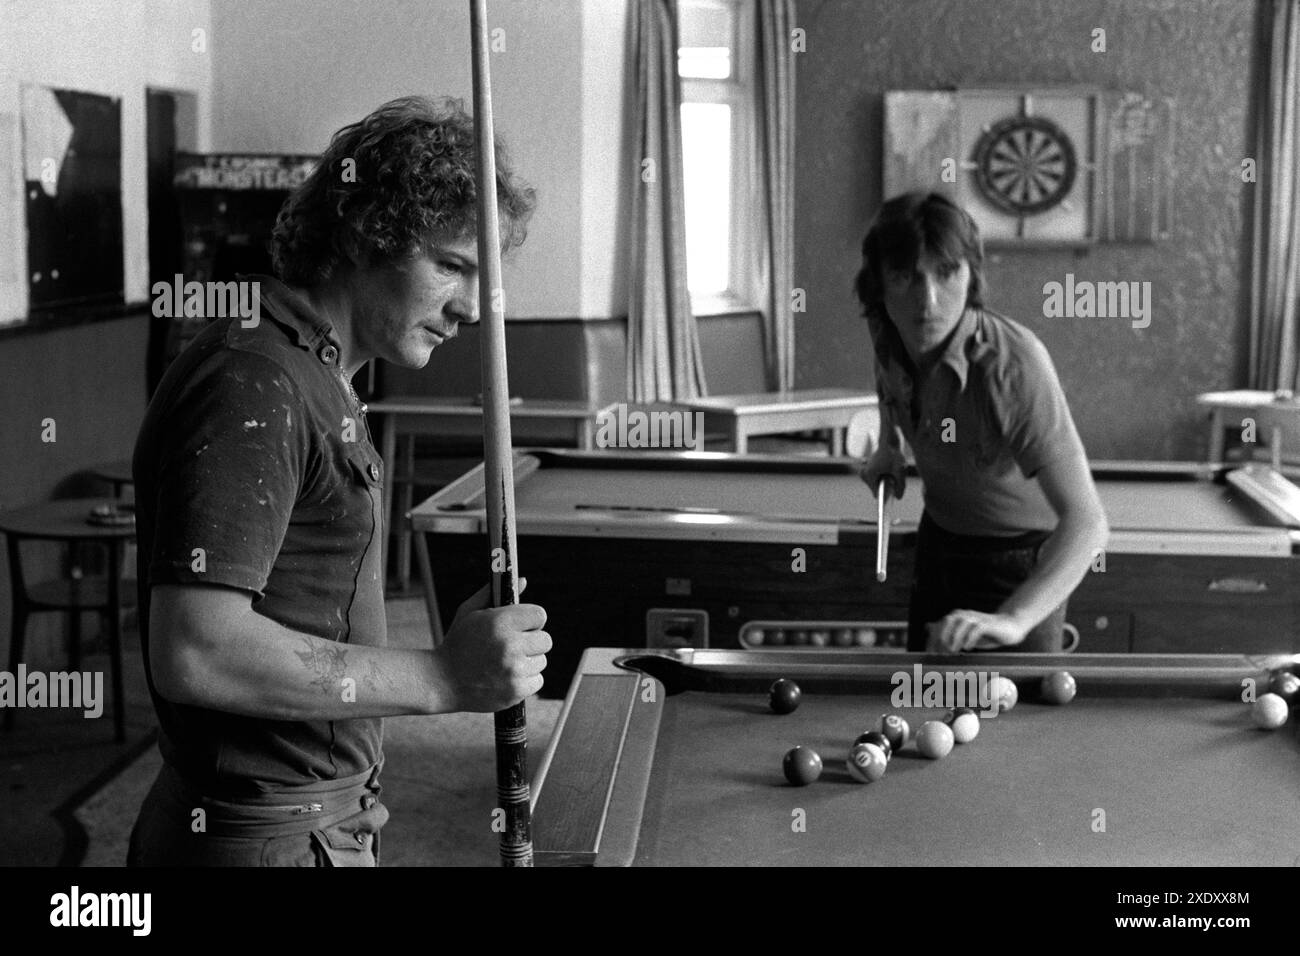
(663, 346)
(1274, 326)
(775, 156)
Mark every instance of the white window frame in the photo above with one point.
(738, 92)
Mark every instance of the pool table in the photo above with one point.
(690, 549)
(674, 758)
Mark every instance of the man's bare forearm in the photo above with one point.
(258, 668)
(1065, 559)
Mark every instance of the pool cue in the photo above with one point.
(498, 474)
(883, 488)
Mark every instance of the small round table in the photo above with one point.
(67, 521)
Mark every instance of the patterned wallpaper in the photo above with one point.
(1131, 390)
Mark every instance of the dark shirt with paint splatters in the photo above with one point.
(254, 469)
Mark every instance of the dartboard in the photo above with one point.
(1024, 165)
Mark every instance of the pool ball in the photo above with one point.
(895, 729)
(877, 738)
(934, 739)
(802, 766)
(964, 723)
(1003, 694)
(784, 696)
(843, 637)
(1269, 711)
(819, 638)
(866, 763)
(1059, 687)
(775, 638)
(753, 638)
(798, 638)
(1287, 686)
(865, 637)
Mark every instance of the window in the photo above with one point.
(715, 63)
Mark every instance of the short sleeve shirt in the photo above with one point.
(982, 423)
(255, 470)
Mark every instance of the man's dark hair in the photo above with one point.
(904, 228)
(388, 187)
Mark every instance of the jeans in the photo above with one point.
(977, 574)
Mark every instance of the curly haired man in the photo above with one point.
(260, 524)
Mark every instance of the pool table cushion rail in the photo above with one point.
(589, 789)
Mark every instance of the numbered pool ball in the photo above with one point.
(866, 763)
(1269, 711)
(784, 696)
(934, 739)
(1059, 687)
(964, 724)
(819, 638)
(1003, 693)
(775, 638)
(1287, 686)
(802, 766)
(896, 730)
(877, 738)
(865, 637)
(798, 638)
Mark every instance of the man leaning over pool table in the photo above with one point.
(1012, 519)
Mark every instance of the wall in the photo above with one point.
(291, 73)
(1131, 391)
(110, 47)
(88, 378)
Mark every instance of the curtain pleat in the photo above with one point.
(1275, 259)
(775, 154)
(663, 347)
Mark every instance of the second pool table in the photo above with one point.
(686, 549)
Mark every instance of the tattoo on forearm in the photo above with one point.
(374, 676)
(326, 661)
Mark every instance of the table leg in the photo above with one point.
(1216, 436)
(739, 440)
(389, 454)
(115, 640)
(586, 434)
(837, 442)
(404, 536)
(426, 579)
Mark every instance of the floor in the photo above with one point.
(439, 777)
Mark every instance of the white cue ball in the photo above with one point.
(934, 739)
(1269, 711)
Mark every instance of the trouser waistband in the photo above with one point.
(279, 813)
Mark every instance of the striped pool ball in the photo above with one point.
(877, 738)
(895, 729)
(1003, 693)
(866, 763)
(1287, 686)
